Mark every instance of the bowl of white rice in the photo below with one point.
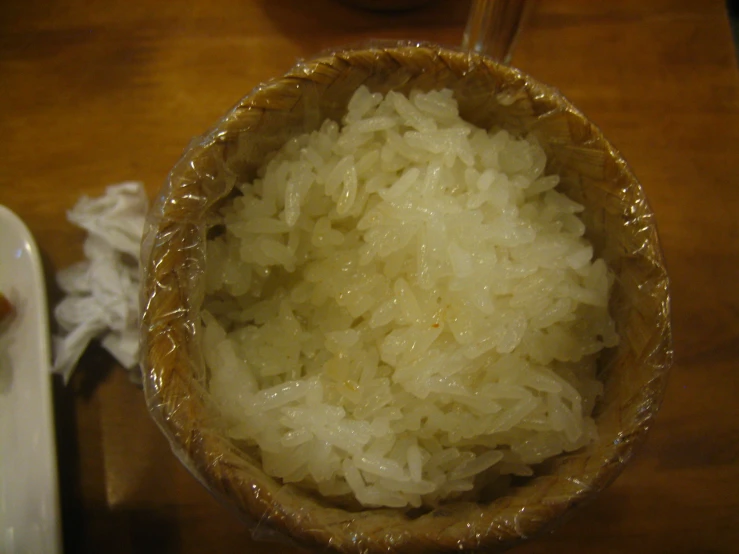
(403, 299)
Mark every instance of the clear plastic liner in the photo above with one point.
(619, 223)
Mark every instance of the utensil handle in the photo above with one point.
(492, 27)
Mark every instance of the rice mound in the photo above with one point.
(404, 308)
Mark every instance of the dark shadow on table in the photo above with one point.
(320, 24)
(94, 366)
(140, 530)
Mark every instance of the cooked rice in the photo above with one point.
(404, 307)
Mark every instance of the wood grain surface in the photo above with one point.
(94, 92)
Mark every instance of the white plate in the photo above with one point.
(29, 496)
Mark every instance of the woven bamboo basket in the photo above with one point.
(619, 223)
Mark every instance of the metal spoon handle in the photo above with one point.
(492, 27)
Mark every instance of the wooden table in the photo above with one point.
(99, 91)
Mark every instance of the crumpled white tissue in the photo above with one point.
(102, 291)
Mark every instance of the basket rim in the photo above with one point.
(205, 450)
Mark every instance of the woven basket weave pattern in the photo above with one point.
(619, 222)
